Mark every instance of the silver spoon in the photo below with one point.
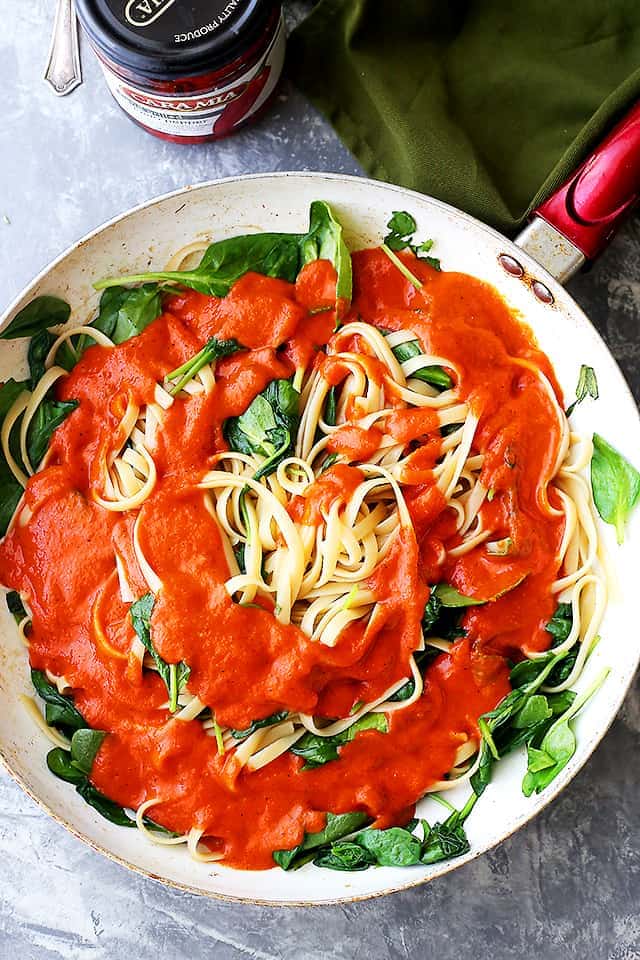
(63, 70)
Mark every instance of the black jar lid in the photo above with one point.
(174, 38)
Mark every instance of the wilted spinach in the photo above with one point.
(434, 375)
(279, 255)
(41, 313)
(268, 426)
(175, 675)
(402, 226)
(213, 350)
(317, 751)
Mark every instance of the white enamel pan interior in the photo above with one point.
(146, 238)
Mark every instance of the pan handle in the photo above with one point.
(579, 219)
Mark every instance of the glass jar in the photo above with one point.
(188, 71)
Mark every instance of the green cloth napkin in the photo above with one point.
(487, 105)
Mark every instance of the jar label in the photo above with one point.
(217, 111)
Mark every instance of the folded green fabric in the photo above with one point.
(487, 105)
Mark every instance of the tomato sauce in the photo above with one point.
(244, 664)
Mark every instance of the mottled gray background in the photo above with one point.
(567, 885)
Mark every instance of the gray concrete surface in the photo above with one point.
(566, 886)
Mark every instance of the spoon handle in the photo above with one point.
(63, 66)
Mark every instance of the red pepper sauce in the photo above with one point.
(245, 664)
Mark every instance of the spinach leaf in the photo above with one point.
(60, 764)
(39, 347)
(549, 757)
(545, 763)
(10, 489)
(224, 262)
(561, 622)
(587, 387)
(330, 408)
(268, 426)
(175, 675)
(213, 350)
(444, 841)
(324, 241)
(85, 744)
(394, 847)
(320, 750)
(337, 827)
(559, 627)
(106, 808)
(423, 659)
(482, 777)
(238, 552)
(258, 724)
(124, 312)
(47, 418)
(41, 313)
(59, 709)
(344, 855)
(398, 846)
(615, 484)
(513, 722)
(75, 765)
(278, 255)
(441, 620)
(450, 597)
(434, 375)
(15, 606)
(329, 462)
(402, 227)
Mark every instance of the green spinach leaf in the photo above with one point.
(175, 675)
(325, 241)
(85, 744)
(337, 827)
(393, 847)
(317, 751)
(402, 227)
(41, 313)
(549, 757)
(434, 375)
(279, 255)
(450, 597)
(330, 408)
(423, 659)
(258, 724)
(47, 418)
(268, 426)
(213, 350)
(10, 489)
(444, 841)
(224, 262)
(60, 764)
(124, 312)
(615, 484)
(345, 855)
(15, 606)
(106, 808)
(59, 709)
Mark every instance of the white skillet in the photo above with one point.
(145, 238)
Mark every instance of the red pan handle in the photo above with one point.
(589, 207)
